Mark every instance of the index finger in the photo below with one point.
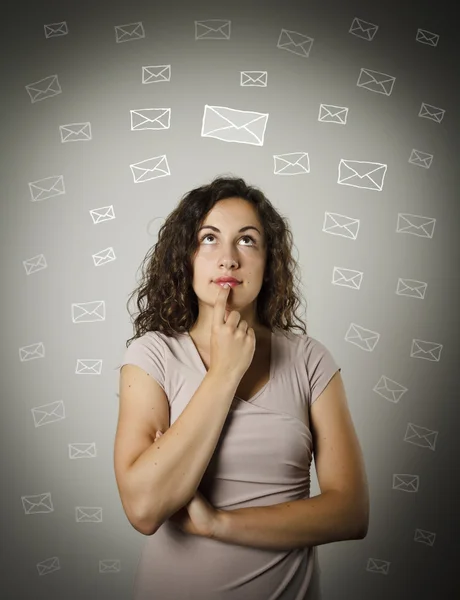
(219, 306)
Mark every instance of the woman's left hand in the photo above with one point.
(198, 517)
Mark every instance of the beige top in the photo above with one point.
(262, 458)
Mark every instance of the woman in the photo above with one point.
(218, 392)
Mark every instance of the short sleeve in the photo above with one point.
(147, 352)
(320, 365)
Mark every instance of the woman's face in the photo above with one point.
(229, 252)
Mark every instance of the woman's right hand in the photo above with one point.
(233, 343)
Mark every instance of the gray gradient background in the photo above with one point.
(101, 82)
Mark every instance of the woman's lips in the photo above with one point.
(231, 283)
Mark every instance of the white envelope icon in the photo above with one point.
(88, 312)
(75, 132)
(213, 29)
(347, 277)
(293, 163)
(428, 111)
(56, 29)
(49, 565)
(374, 81)
(253, 78)
(294, 42)
(421, 159)
(42, 189)
(337, 224)
(129, 32)
(363, 29)
(110, 565)
(40, 503)
(366, 339)
(82, 450)
(427, 350)
(88, 514)
(150, 118)
(232, 125)
(405, 482)
(99, 215)
(415, 225)
(88, 366)
(31, 352)
(374, 565)
(44, 88)
(34, 264)
(421, 436)
(156, 73)
(427, 37)
(151, 168)
(425, 537)
(48, 413)
(103, 257)
(328, 113)
(389, 389)
(362, 174)
(411, 288)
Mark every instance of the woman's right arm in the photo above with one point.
(157, 478)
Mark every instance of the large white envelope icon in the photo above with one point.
(42, 189)
(232, 125)
(328, 113)
(156, 73)
(426, 350)
(150, 118)
(32, 352)
(88, 312)
(75, 132)
(109, 565)
(428, 111)
(212, 29)
(151, 168)
(129, 32)
(421, 159)
(366, 339)
(415, 225)
(34, 264)
(105, 213)
(294, 42)
(253, 78)
(337, 224)
(293, 163)
(49, 565)
(427, 37)
(421, 436)
(44, 88)
(375, 565)
(374, 81)
(362, 174)
(103, 257)
(347, 277)
(424, 537)
(405, 482)
(389, 389)
(88, 514)
(82, 450)
(411, 288)
(88, 366)
(56, 29)
(48, 413)
(39, 503)
(363, 29)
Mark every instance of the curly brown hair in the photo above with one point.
(165, 297)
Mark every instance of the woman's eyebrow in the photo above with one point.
(218, 230)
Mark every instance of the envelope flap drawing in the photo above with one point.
(295, 38)
(237, 119)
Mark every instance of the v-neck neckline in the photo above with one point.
(198, 361)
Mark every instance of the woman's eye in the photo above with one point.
(248, 237)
